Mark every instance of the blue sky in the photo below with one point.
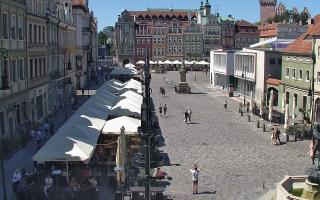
(108, 10)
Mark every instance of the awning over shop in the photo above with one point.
(113, 126)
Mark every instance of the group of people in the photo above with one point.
(187, 116)
(275, 136)
(40, 133)
(163, 109)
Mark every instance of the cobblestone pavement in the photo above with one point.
(236, 159)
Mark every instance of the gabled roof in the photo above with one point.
(162, 13)
(245, 23)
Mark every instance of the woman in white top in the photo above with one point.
(195, 170)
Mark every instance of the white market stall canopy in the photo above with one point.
(152, 62)
(202, 63)
(77, 138)
(177, 62)
(124, 71)
(113, 126)
(78, 145)
(188, 62)
(168, 62)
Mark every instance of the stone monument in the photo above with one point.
(312, 189)
(183, 86)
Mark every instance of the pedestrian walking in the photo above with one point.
(273, 136)
(278, 133)
(160, 110)
(195, 170)
(38, 138)
(16, 178)
(163, 92)
(160, 91)
(186, 116)
(175, 88)
(225, 105)
(189, 115)
(165, 110)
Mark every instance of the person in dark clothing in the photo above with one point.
(160, 110)
(186, 116)
(278, 135)
(165, 110)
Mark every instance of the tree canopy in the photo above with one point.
(286, 16)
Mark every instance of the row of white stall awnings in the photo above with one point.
(77, 138)
(176, 62)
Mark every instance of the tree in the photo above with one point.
(102, 38)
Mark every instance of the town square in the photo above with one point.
(159, 100)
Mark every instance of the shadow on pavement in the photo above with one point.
(207, 192)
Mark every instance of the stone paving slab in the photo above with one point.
(237, 160)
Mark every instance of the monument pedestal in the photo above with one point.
(183, 88)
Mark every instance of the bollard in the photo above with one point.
(248, 118)
(258, 124)
(264, 127)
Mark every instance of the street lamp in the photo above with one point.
(244, 75)
(68, 66)
(5, 86)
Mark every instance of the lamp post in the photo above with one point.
(245, 85)
(5, 86)
(68, 66)
(146, 133)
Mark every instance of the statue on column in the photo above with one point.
(183, 86)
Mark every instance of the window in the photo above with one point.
(40, 67)
(318, 77)
(39, 34)
(36, 67)
(138, 41)
(162, 40)
(174, 39)
(138, 51)
(307, 75)
(300, 74)
(31, 68)
(34, 33)
(187, 49)
(5, 25)
(169, 39)
(180, 39)
(13, 71)
(272, 61)
(44, 66)
(21, 70)
(20, 25)
(287, 72)
(319, 52)
(43, 35)
(293, 73)
(279, 61)
(13, 26)
(30, 33)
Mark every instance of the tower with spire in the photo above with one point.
(207, 8)
(267, 9)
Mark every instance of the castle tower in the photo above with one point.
(267, 9)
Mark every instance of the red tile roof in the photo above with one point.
(273, 81)
(245, 23)
(268, 30)
(163, 13)
(79, 2)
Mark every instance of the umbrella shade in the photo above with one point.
(286, 116)
(188, 62)
(202, 63)
(121, 157)
(113, 126)
(271, 105)
(162, 62)
(177, 62)
(140, 62)
(261, 106)
(167, 62)
(251, 101)
(129, 65)
(152, 62)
